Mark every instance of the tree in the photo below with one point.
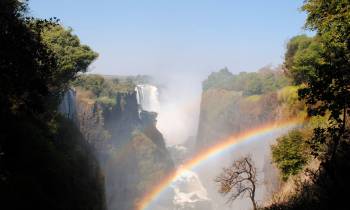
(94, 83)
(72, 56)
(290, 153)
(220, 79)
(38, 60)
(254, 85)
(239, 180)
(26, 65)
(302, 54)
(45, 163)
(328, 90)
(265, 80)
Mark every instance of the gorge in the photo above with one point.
(119, 118)
(151, 121)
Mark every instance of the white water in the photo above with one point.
(187, 192)
(67, 106)
(148, 97)
(177, 113)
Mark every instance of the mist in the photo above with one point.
(179, 106)
(174, 105)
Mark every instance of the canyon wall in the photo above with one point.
(130, 149)
(231, 104)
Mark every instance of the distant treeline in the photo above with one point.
(249, 83)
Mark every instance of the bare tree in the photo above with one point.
(239, 180)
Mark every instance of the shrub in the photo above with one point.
(290, 153)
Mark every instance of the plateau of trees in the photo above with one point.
(252, 83)
(103, 90)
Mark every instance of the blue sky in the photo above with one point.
(173, 37)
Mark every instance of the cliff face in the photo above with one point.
(121, 119)
(230, 106)
(130, 149)
(236, 102)
(224, 112)
(133, 169)
(139, 158)
(46, 163)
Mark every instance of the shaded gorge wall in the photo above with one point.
(130, 149)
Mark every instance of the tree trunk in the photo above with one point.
(338, 138)
(254, 203)
(252, 195)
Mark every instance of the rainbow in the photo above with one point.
(208, 153)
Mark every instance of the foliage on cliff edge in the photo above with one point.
(44, 161)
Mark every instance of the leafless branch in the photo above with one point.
(238, 180)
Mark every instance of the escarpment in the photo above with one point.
(130, 149)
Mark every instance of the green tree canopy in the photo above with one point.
(26, 65)
(50, 54)
(218, 79)
(249, 83)
(45, 163)
(302, 54)
(94, 83)
(72, 56)
(289, 153)
(329, 88)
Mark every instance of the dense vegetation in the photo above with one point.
(252, 83)
(104, 90)
(302, 54)
(101, 86)
(290, 153)
(233, 103)
(45, 163)
(313, 158)
(321, 64)
(130, 149)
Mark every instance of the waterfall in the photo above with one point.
(148, 97)
(67, 107)
(187, 192)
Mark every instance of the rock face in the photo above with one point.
(130, 149)
(133, 169)
(179, 153)
(120, 120)
(141, 157)
(224, 112)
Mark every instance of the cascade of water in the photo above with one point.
(187, 192)
(67, 105)
(148, 97)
